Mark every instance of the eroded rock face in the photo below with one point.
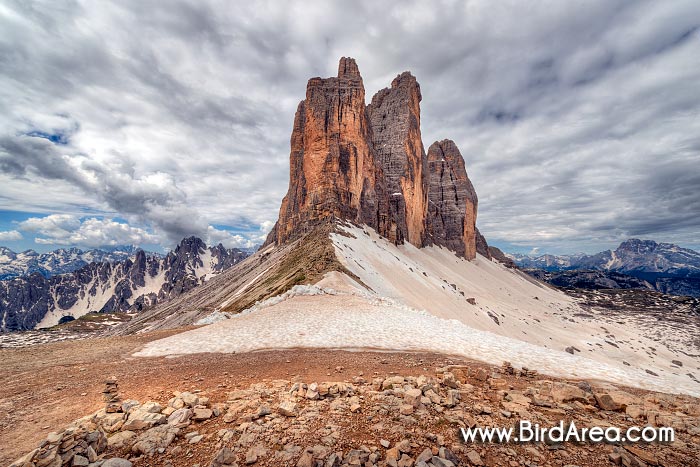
(452, 201)
(394, 115)
(482, 247)
(368, 165)
(332, 165)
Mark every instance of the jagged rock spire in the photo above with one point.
(394, 115)
(348, 67)
(367, 164)
(452, 201)
(332, 165)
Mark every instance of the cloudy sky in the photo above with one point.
(145, 121)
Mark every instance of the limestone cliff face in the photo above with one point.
(452, 201)
(394, 115)
(333, 172)
(367, 164)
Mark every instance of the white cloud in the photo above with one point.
(10, 236)
(65, 229)
(53, 226)
(227, 239)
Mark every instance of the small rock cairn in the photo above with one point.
(111, 396)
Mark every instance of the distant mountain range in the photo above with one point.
(64, 284)
(635, 263)
(59, 261)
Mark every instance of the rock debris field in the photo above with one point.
(369, 420)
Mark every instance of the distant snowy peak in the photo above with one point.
(139, 281)
(640, 257)
(546, 262)
(60, 261)
(652, 257)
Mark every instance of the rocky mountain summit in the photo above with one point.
(129, 285)
(639, 264)
(350, 164)
(367, 164)
(641, 258)
(451, 200)
(60, 261)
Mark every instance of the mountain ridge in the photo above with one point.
(641, 257)
(636, 264)
(60, 261)
(133, 284)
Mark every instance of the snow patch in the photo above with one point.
(313, 317)
(215, 317)
(430, 300)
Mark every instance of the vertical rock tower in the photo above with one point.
(333, 171)
(367, 164)
(452, 201)
(394, 115)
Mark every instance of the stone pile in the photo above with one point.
(79, 445)
(110, 395)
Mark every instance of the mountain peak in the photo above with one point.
(368, 165)
(406, 79)
(638, 245)
(347, 67)
(452, 201)
(191, 244)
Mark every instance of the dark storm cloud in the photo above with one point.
(578, 121)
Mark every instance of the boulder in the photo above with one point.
(201, 414)
(180, 416)
(392, 382)
(159, 437)
(606, 402)
(139, 420)
(287, 408)
(224, 457)
(413, 397)
(563, 392)
(189, 399)
(116, 462)
(448, 379)
(120, 438)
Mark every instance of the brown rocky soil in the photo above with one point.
(41, 386)
(367, 407)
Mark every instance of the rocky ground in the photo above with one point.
(306, 408)
(671, 320)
